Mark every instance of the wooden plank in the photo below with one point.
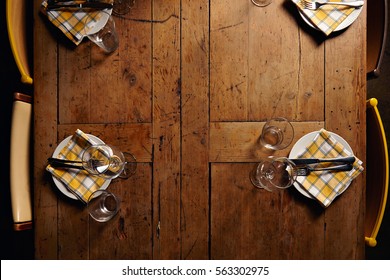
(239, 141)
(195, 132)
(259, 69)
(310, 81)
(99, 88)
(345, 114)
(228, 60)
(128, 235)
(73, 234)
(273, 63)
(166, 130)
(252, 223)
(45, 137)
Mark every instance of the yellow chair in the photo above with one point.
(17, 34)
(20, 162)
(377, 169)
(376, 35)
(16, 14)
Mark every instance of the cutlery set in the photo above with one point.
(53, 5)
(304, 167)
(314, 5)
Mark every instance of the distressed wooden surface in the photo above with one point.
(188, 92)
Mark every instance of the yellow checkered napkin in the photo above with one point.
(79, 182)
(72, 22)
(325, 186)
(327, 18)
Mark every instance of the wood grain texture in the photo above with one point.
(188, 92)
(256, 73)
(240, 141)
(166, 130)
(251, 223)
(195, 130)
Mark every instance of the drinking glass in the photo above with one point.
(107, 37)
(273, 174)
(121, 7)
(277, 134)
(261, 3)
(108, 162)
(102, 205)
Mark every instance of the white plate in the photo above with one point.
(60, 185)
(347, 22)
(105, 14)
(302, 143)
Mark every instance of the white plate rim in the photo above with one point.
(346, 22)
(303, 142)
(100, 23)
(59, 184)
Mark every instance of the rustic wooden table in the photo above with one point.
(188, 92)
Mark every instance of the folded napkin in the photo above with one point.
(328, 17)
(325, 186)
(72, 22)
(79, 182)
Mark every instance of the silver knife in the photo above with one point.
(82, 5)
(300, 161)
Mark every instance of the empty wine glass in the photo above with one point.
(273, 174)
(277, 134)
(130, 166)
(261, 3)
(99, 27)
(108, 162)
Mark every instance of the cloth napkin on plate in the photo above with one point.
(77, 181)
(72, 22)
(325, 186)
(328, 17)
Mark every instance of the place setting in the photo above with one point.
(329, 16)
(83, 166)
(320, 165)
(92, 19)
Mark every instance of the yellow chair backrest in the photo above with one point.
(377, 172)
(16, 25)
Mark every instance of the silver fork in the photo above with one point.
(304, 171)
(310, 5)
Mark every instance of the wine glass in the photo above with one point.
(277, 134)
(273, 174)
(106, 37)
(261, 3)
(130, 166)
(121, 7)
(108, 162)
